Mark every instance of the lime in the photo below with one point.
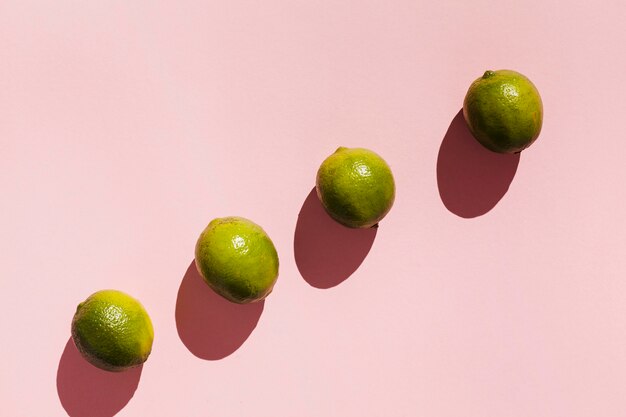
(356, 187)
(112, 330)
(237, 259)
(503, 110)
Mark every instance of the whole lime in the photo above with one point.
(503, 110)
(356, 187)
(112, 331)
(237, 259)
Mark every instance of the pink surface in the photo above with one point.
(494, 288)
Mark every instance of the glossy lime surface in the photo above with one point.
(112, 330)
(356, 187)
(237, 259)
(504, 111)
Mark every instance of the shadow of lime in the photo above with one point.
(326, 252)
(471, 179)
(86, 391)
(210, 326)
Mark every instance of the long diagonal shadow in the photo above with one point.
(471, 179)
(86, 391)
(326, 252)
(210, 326)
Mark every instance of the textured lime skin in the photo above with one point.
(237, 259)
(112, 331)
(356, 187)
(504, 111)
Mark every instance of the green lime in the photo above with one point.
(503, 110)
(356, 187)
(237, 259)
(112, 330)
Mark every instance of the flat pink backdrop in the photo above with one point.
(126, 126)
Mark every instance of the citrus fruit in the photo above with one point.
(356, 187)
(237, 259)
(503, 110)
(112, 331)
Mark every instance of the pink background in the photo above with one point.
(126, 126)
